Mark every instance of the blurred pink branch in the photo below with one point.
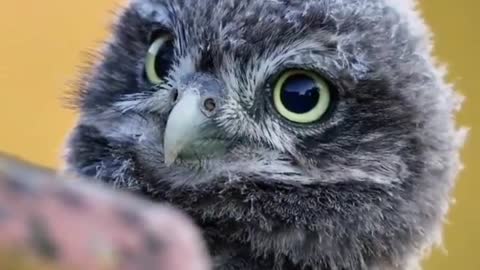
(70, 224)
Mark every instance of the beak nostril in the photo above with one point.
(209, 104)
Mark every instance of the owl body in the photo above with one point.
(298, 134)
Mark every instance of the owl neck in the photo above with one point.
(288, 227)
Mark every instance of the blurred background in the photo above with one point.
(43, 44)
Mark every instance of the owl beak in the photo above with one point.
(190, 131)
(184, 123)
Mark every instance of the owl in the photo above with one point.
(298, 134)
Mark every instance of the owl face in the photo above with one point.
(295, 91)
(337, 101)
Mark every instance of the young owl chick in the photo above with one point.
(300, 134)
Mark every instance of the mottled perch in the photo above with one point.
(52, 223)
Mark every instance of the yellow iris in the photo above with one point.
(150, 62)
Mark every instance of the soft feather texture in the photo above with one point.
(365, 188)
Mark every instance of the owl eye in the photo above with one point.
(301, 96)
(158, 59)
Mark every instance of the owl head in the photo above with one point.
(314, 133)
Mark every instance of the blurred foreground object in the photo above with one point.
(51, 223)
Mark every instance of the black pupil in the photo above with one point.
(300, 94)
(163, 59)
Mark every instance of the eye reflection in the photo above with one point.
(300, 94)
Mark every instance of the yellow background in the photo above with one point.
(43, 45)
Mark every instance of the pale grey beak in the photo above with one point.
(191, 131)
(184, 126)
